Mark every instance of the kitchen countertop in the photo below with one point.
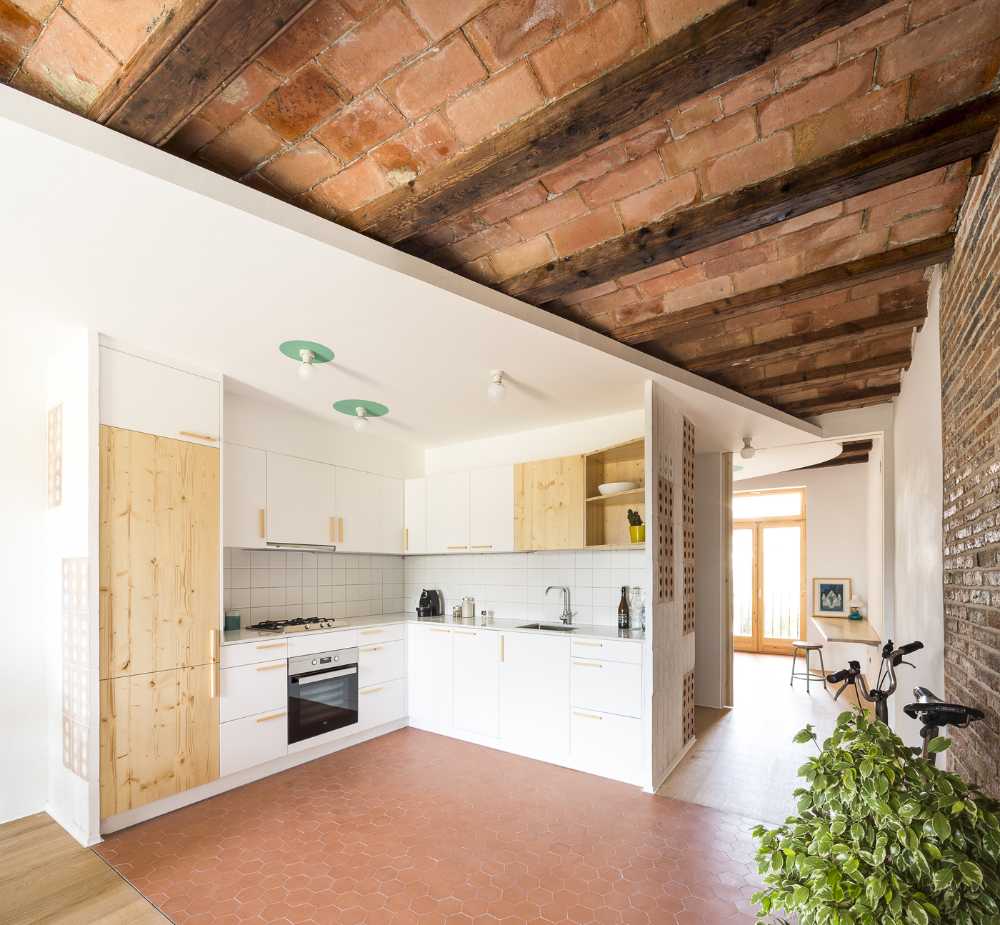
(582, 631)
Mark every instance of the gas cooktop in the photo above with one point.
(298, 625)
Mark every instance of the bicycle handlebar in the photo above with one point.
(843, 675)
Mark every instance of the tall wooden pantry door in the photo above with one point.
(159, 617)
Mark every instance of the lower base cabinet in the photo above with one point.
(253, 740)
(429, 672)
(476, 673)
(381, 703)
(606, 744)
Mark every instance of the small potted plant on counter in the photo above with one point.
(882, 837)
(636, 528)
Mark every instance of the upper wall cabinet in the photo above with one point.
(415, 516)
(390, 515)
(244, 501)
(491, 509)
(300, 501)
(448, 512)
(358, 506)
(153, 398)
(549, 503)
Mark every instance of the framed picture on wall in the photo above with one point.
(831, 597)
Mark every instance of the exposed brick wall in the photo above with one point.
(970, 382)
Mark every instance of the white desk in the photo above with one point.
(840, 629)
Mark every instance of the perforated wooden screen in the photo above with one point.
(687, 505)
(688, 707)
(665, 539)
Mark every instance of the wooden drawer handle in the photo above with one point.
(371, 690)
(596, 645)
(341, 534)
(583, 664)
(371, 632)
(371, 648)
(271, 667)
(406, 538)
(265, 719)
(484, 546)
(587, 715)
(434, 630)
(197, 436)
(458, 547)
(271, 645)
(465, 633)
(262, 516)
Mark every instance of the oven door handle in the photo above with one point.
(335, 673)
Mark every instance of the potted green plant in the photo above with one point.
(636, 528)
(881, 837)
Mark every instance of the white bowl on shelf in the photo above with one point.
(616, 488)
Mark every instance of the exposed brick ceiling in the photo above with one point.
(357, 99)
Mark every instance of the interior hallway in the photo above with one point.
(744, 760)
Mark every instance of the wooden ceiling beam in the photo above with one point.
(732, 41)
(919, 146)
(702, 318)
(835, 336)
(828, 375)
(839, 401)
(195, 53)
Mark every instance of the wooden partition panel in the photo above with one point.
(549, 504)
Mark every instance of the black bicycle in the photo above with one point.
(932, 713)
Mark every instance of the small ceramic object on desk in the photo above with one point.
(616, 488)
(636, 528)
(857, 606)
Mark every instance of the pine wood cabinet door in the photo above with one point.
(159, 553)
(159, 736)
(549, 504)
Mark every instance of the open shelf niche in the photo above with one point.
(607, 520)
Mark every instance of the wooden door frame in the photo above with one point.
(756, 642)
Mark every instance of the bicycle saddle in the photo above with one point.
(937, 713)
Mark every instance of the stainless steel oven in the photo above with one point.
(322, 693)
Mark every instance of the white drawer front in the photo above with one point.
(252, 689)
(381, 703)
(611, 650)
(252, 740)
(381, 634)
(605, 744)
(249, 653)
(381, 661)
(322, 642)
(608, 687)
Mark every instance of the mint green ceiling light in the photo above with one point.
(361, 410)
(307, 353)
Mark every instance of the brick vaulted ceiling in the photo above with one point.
(751, 190)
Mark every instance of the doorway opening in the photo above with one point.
(769, 570)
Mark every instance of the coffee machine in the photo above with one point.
(431, 603)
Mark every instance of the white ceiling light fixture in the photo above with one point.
(496, 389)
(361, 410)
(748, 452)
(306, 365)
(361, 421)
(307, 354)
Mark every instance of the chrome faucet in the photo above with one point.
(567, 615)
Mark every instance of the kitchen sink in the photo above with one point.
(556, 627)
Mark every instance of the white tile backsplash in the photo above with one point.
(513, 584)
(284, 584)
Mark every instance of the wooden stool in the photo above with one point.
(807, 675)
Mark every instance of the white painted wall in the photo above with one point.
(540, 443)
(710, 643)
(23, 689)
(918, 515)
(272, 425)
(837, 527)
(71, 538)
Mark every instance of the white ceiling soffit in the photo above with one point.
(156, 252)
(783, 458)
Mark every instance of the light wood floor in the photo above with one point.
(45, 876)
(744, 760)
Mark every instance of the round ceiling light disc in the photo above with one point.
(350, 406)
(293, 350)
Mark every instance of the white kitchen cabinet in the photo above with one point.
(476, 672)
(535, 696)
(448, 512)
(390, 515)
(491, 509)
(381, 703)
(381, 661)
(300, 504)
(253, 652)
(415, 515)
(314, 643)
(605, 744)
(251, 689)
(429, 677)
(358, 510)
(244, 498)
(611, 650)
(154, 398)
(608, 687)
(252, 740)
